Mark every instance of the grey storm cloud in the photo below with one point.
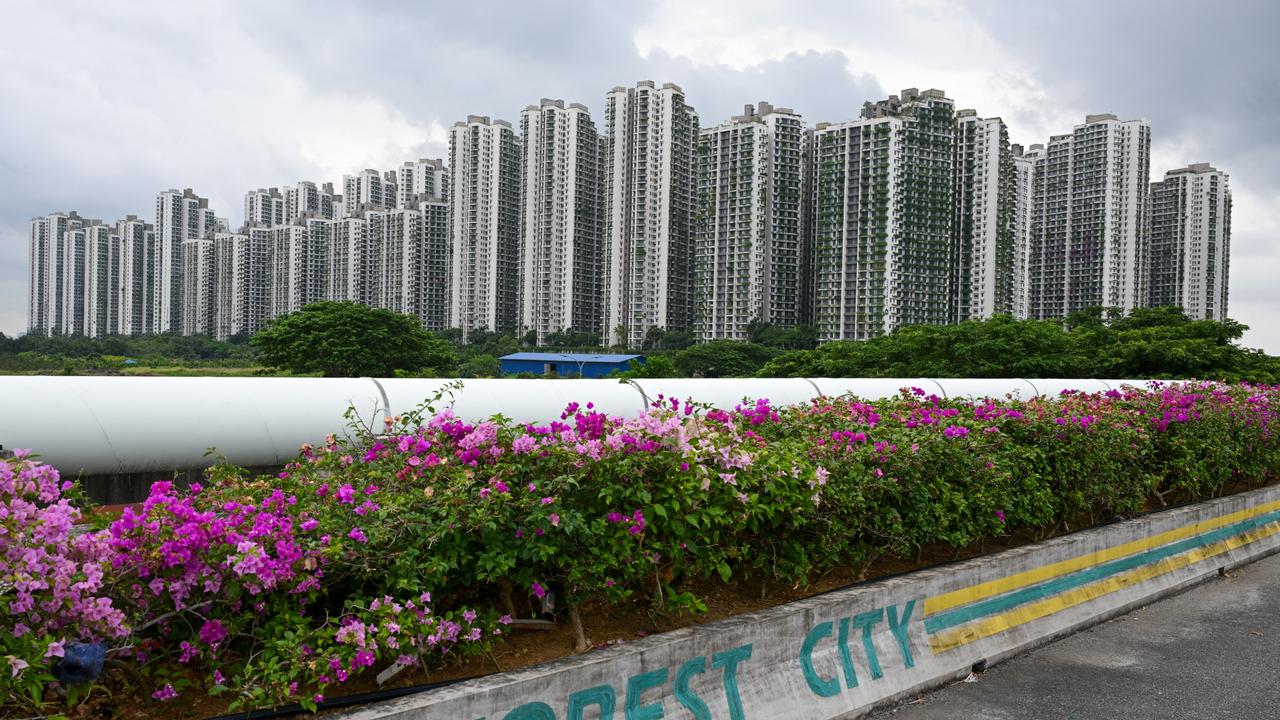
(1206, 69)
(465, 59)
(105, 104)
(1205, 74)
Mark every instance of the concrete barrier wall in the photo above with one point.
(841, 654)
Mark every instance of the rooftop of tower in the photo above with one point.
(545, 103)
(481, 120)
(894, 104)
(650, 85)
(1193, 169)
(1108, 117)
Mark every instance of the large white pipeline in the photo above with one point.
(110, 425)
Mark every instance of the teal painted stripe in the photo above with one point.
(961, 615)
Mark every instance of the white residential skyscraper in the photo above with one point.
(426, 178)
(484, 202)
(983, 230)
(884, 214)
(224, 276)
(137, 281)
(368, 190)
(748, 236)
(1191, 241)
(559, 232)
(48, 275)
(265, 208)
(433, 277)
(180, 216)
(650, 163)
(561, 221)
(1091, 224)
(199, 288)
(84, 275)
(297, 254)
(102, 279)
(414, 252)
(72, 282)
(808, 221)
(1025, 164)
(347, 261)
(307, 200)
(38, 275)
(247, 305)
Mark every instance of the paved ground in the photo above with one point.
(1211, 652)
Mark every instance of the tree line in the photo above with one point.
(340, 339)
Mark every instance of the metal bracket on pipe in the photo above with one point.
(386, 403)
(644, 397)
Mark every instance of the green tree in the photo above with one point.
(1091, 343)
(782, 337)
(653, 338)
(722, 358)
(480, 366)
(677, 340)
(655, 366)
(344, 339)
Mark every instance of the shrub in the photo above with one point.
(53, 583)
(413, 544)
(253, 585)
(346, 339)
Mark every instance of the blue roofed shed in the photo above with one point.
(566, 364)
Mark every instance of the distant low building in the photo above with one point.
(565, 364)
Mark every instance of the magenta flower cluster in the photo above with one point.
(176, 553)
(318, 572)
(54, 582)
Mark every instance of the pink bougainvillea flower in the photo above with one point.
(16, 665)
(212, 632)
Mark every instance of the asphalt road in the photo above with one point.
(1211, 652)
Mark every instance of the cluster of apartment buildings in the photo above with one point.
(913, 213)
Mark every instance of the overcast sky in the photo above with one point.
(104, 104)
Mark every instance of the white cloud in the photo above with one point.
(923, 44)
(216, 111)
(366, 132)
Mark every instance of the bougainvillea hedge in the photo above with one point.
(415, 545)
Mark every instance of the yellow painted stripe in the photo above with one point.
(964, 596)
(952, 639)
